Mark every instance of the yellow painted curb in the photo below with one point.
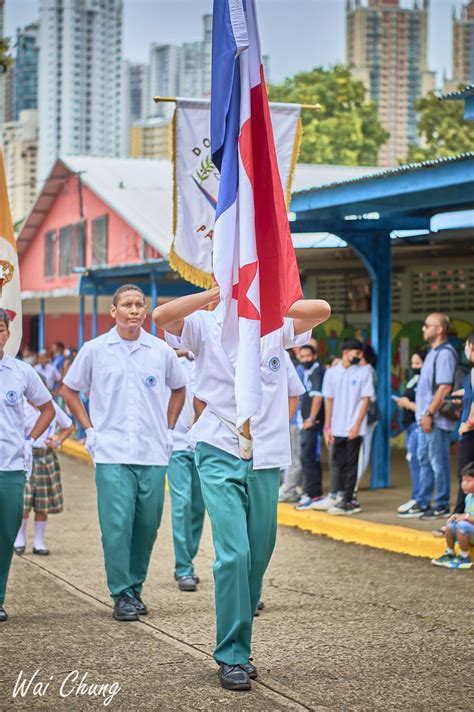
(75, 449)
(401, 540)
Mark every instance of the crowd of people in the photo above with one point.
(149, 407)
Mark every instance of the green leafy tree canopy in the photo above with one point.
(5, 59)
(443, 130)
(347, 130)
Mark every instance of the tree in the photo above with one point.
(443, 130)
(347, 130)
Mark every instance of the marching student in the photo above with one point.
(43, 491)
(129, 436)
(17, 379)
(187, 505)
(240, 488)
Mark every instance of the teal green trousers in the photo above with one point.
(12, 486)
(187, 510)
(242, 506)
(130, 503)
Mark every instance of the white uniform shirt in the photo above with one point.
(215, 384)
(50, 374)
(295, 387)
(347, 386)
(128, 396)
(62, 420)
(17, 379)
(186, 417)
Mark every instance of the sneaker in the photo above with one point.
(307, 503)
(288, 498)
(355, 506)
(324, 503)
(435, 513)
(460, 562)
(344, 508)
(405, 507)
(415, 511)
(443, 560)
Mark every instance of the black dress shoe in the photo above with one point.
(3, 614)
(196, 578)
(124, 610)
(136, 599)
(19, 549)
(234, 677)
(41, 552)
(187, 583)
(252, 670)
(260, 606)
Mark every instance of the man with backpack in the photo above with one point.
(436, 422)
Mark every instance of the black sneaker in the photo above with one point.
(413, 512)
(187, 583)
(3, 615)
(234, 677)
(124, 610)
(435, 513)
(136, 599)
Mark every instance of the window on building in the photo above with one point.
(49, 243)
(100, 239)
(443, 290)
(65, 250)
(78, 256)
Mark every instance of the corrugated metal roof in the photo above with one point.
(460, 93)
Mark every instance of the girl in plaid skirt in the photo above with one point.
(43, 491)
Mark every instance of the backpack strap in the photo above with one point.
(443, 347)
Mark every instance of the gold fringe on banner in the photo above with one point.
(190, 273)
(294, 160)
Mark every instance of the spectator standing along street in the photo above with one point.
(466, 430)
(436, 382)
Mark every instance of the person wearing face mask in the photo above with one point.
(312, 413)
(466, 429)
(347, 391)
(408, 403)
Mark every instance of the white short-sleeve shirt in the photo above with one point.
(50, 374)
(186, 417)
(17, 380)
(129, 394)
(215, 385)
(61, 420)
(346, 386)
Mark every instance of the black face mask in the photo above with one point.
(416, 371)
(354, 361)
(307, 364)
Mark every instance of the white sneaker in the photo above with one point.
(322, 505)
(405, 507)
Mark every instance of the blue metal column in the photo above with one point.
(154, 298)
(94, 313)
(375, 251)
(41, 325)
(82, 300)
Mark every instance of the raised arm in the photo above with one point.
(308, 313)
(170, 316)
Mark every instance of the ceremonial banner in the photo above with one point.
(254, 261)
(196, 181)
(10, 296)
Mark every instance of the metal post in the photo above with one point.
(81, 319)
(41, 325)
(94, 313)
(154, 298)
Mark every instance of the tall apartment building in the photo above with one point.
(80, 79)
(163, 77)
(19, 141)
(152, 138)
(6, 80)
(463, 45)
(134, 99)
(26, 69)
(386, 46)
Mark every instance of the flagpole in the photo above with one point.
(174, 99)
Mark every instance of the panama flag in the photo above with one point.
(253, 259)
(10, 295)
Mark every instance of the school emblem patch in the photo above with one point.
(12, 397)
(150, 381)
(274, 363)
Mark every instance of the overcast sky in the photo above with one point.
(297, 34)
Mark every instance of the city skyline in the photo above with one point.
(287, 35)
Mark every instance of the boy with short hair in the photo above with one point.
(460, 527)
(17, 380)
(129, 437)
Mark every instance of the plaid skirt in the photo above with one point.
(43, 491)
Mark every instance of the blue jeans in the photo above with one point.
(433, 457)
(411, 442)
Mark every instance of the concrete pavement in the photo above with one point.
(344, 628)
